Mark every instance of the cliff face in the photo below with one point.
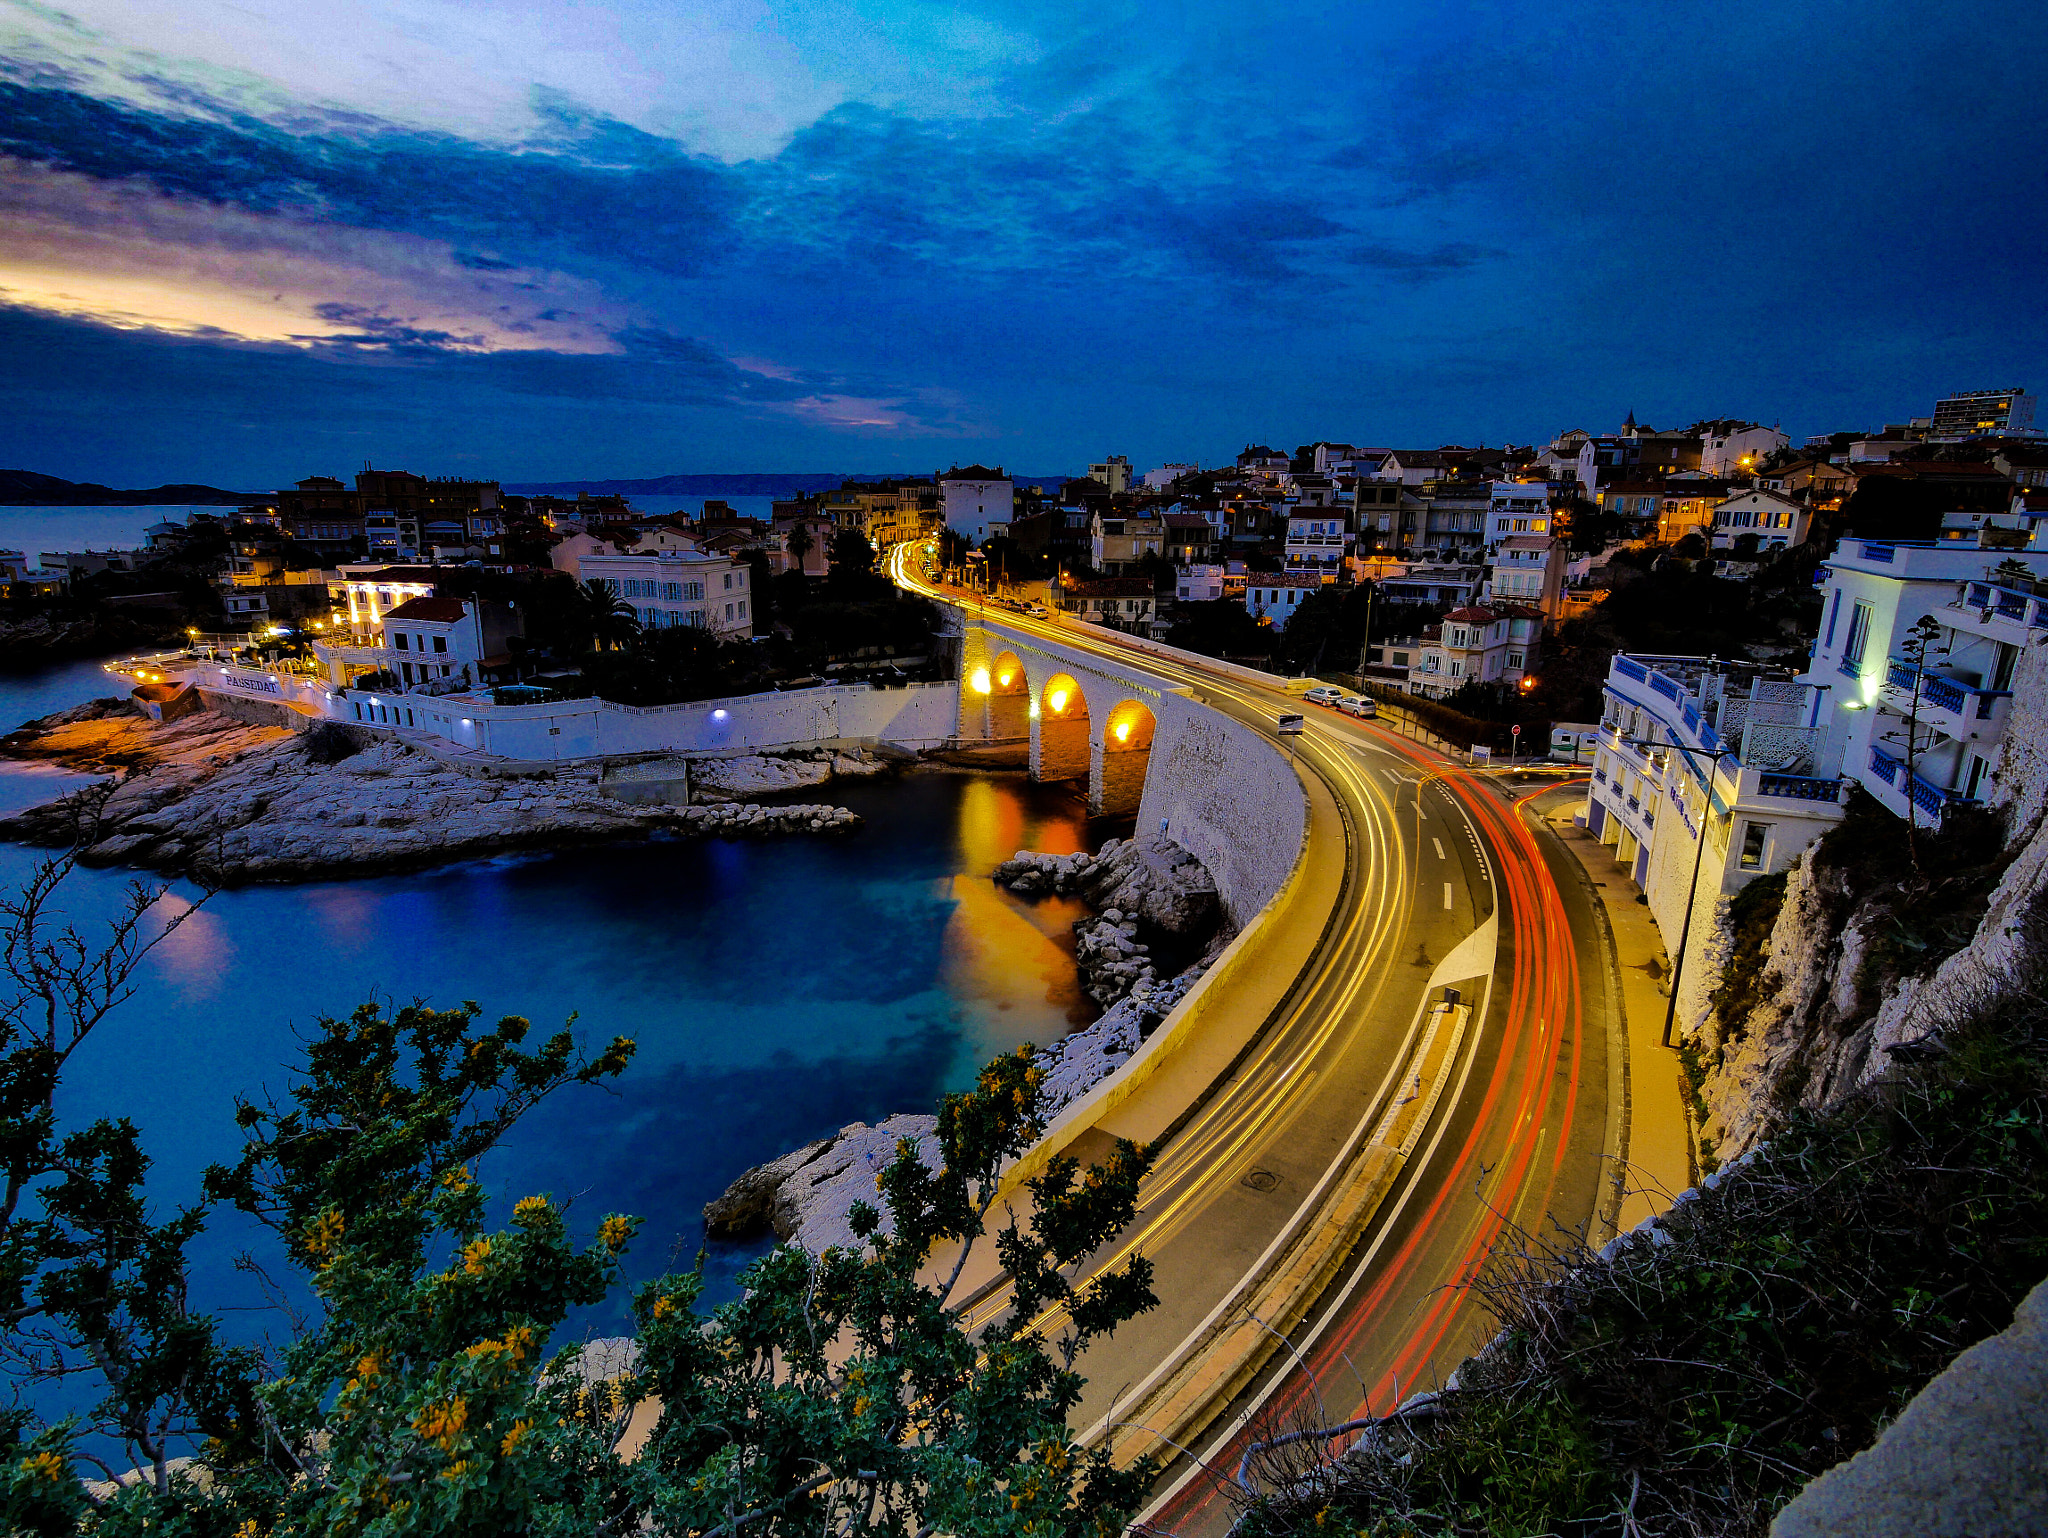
(1850, 981)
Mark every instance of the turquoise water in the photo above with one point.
(777, 990)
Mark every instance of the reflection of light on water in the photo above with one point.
(195, 957)
(1015, 958)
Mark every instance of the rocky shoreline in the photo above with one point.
(229, 802)
(1160, 895)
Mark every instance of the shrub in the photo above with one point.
(329, 742)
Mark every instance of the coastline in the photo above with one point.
(230, 803)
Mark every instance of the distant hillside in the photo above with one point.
(766, 485)
(25, 488)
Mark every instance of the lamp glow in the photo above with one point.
(718, 715)
(979, 679)
(1004, 680)
(1057, 699)
(1123, 731)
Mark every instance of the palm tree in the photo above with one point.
(610, 618)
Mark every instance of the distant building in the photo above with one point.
(446, 644)
(1776, 520)
(1205, 583)
(1476, 644)
(1529, 569)
(1114, 472)
(1116, 544)
(1166, 475)
(1273, 596)
(1737, 448)
(668, 589)
(1125, 603)
(1975, 413)
(977, 501)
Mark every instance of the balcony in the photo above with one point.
(1959, 711)
(1928, 798)
(2017, 603)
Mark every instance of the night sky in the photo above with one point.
(540, 239)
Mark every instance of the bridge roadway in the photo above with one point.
(1417, 874)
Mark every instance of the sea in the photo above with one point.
(777, 990)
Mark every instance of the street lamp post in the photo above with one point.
(1699, 855)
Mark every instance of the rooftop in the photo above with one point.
(436, 611)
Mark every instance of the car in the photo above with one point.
(1324, 695)
(1035, 610)
(1358, 705)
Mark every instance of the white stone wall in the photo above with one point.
(1228, 796)
(917, 715)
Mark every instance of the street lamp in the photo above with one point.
(1699, 854)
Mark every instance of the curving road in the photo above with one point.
(1418, 875)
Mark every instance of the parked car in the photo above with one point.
(1358, 705)
(1323, 695)
(1035, 610)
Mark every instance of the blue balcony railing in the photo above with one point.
(1884, 766)
(1799, 787)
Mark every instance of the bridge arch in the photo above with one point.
(1009, 698)
(1122, 755)
(1062, 745)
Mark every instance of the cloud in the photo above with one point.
(126, 255)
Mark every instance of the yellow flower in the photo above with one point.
(484, 1348)
(531, 1209)
(663, 1307)
(442, 1423)
(369, 1366)
(519, 1341)
(49, 1465)
(613, 1233)
(323, 1236)
(456, 1469)
(474, 1255)
(514, 1437)
(456, 1178)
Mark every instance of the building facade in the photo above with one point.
(1917, 717)
(1974, 413)
(977, 501)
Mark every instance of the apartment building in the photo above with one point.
(1920, 729)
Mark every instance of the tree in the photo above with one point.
(840, 1393)
(1916, 647)
(609, 619)
(799, 543)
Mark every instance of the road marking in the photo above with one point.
(1447, 894)
(1439, 847)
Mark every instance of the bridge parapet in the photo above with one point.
(1142, 745)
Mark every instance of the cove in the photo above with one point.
(777, 990)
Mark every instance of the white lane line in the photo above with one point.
(1439, 847)
(1447, 894)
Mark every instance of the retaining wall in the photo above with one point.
(1230, 798)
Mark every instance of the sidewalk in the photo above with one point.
(1660, 1139)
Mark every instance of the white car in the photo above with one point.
(1324, 695)
(1357, 705)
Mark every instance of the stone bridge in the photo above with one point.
(1142, 746)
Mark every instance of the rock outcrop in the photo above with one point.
(1139, 885)
(760, 774)
(229, 802)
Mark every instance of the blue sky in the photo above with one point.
(543, 239)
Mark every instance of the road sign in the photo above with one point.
(1289, 726)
